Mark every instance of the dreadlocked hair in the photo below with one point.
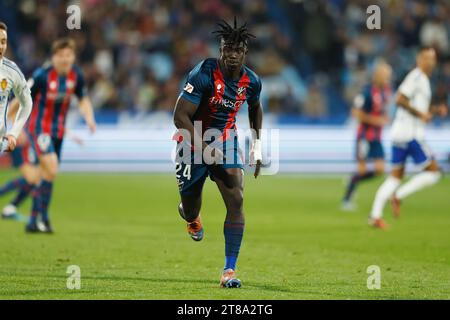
(233, 34)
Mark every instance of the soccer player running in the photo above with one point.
(214, 91)
(408, 134)
(369, 108)
(11, 80)
(52, 88)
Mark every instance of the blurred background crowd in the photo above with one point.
(313, 55)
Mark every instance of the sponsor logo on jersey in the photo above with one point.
(189, 88)
(57, 97)
(226, 103)
(70, 84)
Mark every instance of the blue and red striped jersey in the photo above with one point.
(51, 95)
(219, 98)
(373, 101)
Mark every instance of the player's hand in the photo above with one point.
(77, 140)
(92, 126)
(381, 121)
(426, 117)
(11, 143)
(21, 139)
(256, 156)
(442, 110)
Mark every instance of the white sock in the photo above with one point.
(418, 182)
(385, 191)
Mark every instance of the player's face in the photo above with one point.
(63, 60)
(233, 55)
(3, 42)
(384, 74)
(427, 60)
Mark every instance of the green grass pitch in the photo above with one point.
(125, 234)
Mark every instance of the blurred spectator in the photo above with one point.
(136, 54)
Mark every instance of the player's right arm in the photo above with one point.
(22, 93)
(198, 82)
(182, 118)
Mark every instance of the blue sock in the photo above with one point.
(36, 206)
(233, 232)
(46, 195)
(22, 195)
(12, 185)
(357, 178)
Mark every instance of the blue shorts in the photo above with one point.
(419, 152)
(18, 156)
(191, 174)
(369, 150)
(45, 144)
(21, 155)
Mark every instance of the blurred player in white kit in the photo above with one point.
(408, 134)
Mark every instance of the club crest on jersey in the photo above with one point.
(241, 92)
(70, 84)
(4, 84)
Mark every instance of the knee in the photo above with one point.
(236, 200)
(32, 179)
(50, 173)
(397, 173)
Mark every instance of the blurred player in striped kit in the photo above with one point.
(369, 108)
(52, 88)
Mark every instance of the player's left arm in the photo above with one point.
(255, 116)
(87, 111)
(22, 106)
(85, 104)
